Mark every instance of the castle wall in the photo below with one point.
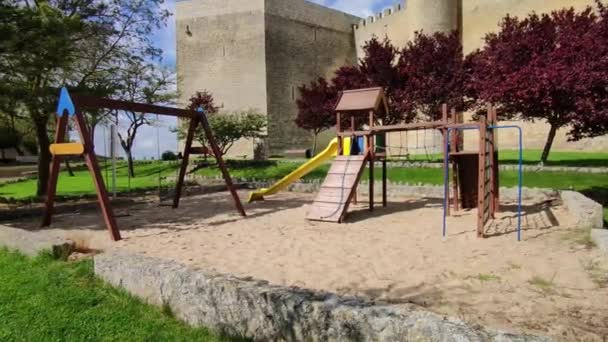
(483, 16)
(303, 41)
(475, 18)
(392, 23)
(220, 48)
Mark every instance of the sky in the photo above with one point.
(146, 140)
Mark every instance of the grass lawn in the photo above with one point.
(532, 157)
(46, 300)
(82, 184)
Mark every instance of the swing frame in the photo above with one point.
(72, 107)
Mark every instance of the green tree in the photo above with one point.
(50, 43)
(9, 138)
(143, 83)
(229, 127)
(169, 156)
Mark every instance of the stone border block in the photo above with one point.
(257, 310)
(32, 243)
(587, 213)
(600, 237)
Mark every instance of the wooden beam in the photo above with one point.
(220, 162)
(100, 187)
(185, 160)
(89, 102)
(51, 191)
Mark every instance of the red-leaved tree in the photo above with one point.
(316, 108)
(550, 67)
(203, 99)
(431, 70)
(428, 72)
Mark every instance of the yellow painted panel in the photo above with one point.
(67, 149)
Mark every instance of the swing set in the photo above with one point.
(71, 106)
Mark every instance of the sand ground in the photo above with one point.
(550, 283)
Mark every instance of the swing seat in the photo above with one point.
(67, 149)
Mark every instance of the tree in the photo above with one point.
(9, 138)
(317, 101)
(143, 83)
(417, 79)
(169, 156)
(431, 70)
(316, 108)
(550, 67)
(231, 127)
(227, 127)
(48, 44)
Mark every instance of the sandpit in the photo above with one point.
(551, 283)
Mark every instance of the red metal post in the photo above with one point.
(481, 195)
(372, 157)
(454, 148)
(444, 119)
(339, 130)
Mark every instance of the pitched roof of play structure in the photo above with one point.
(362, 99)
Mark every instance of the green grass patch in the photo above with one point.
(543, 284)
(46, 300)
(532, 157)
(147, 177)
(487, 277)
(594, 185)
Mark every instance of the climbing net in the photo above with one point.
(413, 145)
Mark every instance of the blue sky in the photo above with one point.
(145, 143)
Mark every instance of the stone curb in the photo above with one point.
(257, 310)
(32, 243)
(588, 213)
(600, 237)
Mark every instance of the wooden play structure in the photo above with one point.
(73, 106)
(474, 174)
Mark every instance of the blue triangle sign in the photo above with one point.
(65, 103)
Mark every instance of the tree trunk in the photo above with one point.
(44, 158)
(314, 144)
(548, 144)
(3, 154)
(130, 163)
(69, 168)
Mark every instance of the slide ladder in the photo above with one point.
(338, 189)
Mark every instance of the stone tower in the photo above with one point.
(256, 53)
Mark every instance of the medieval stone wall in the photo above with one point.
(220, 48)
(255, 54)
(303, 41)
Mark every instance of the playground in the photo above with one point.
(541, 285)
(468, 249)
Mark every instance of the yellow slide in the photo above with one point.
(318, 160)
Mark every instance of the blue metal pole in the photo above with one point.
(520, 174)
(446, 156)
